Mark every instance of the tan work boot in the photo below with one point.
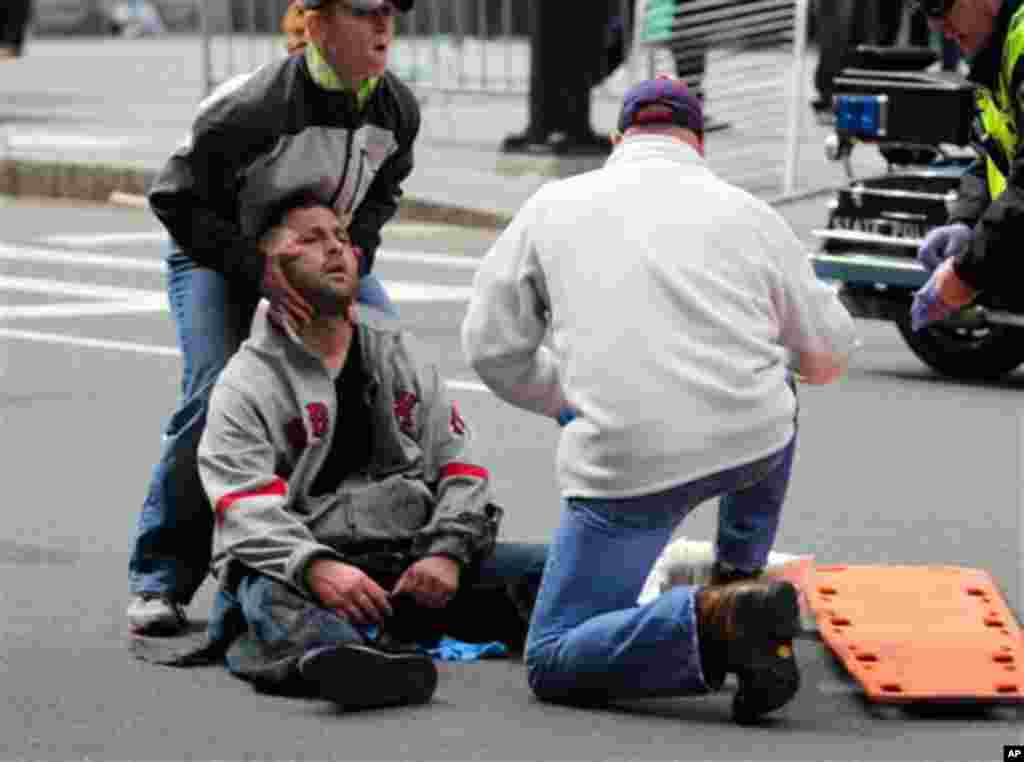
(747, 628)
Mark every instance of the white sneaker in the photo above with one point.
(154, 614)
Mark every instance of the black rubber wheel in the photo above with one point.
(968, 353)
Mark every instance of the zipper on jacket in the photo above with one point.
(359, 180)
(344, 171)
(350, 520)
(370, 391)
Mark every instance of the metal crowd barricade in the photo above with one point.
(482, 46)
(441, 46)
(753, 51)
(754, 71)
(237, 36)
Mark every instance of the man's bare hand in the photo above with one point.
(431, 581)
(348, 591)
(286, 304)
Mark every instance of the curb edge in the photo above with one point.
(126, 185)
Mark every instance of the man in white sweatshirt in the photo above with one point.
(680, 308)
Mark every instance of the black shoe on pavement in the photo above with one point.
(530, 141)
(822, 108)
(747, 628)
(714, 124)
(587, 143)
(723, 574)
(360, 677)
(822, 103)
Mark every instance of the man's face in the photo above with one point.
(326, 272)
(293, 25)
(355, 46)
(969, 23)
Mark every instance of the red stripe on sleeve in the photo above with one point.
(278, 487)
(464, 469)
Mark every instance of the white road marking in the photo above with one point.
(455, 261)
(81, 290)
(41, 337)
(139, 300)
(84, 241)
(401, 291)
(83, 258)
(121, 301)
(56, 140)
(80, 341)
(414, 229)
(466, 386)
(81, 309)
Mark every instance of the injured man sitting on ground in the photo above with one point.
(354, 537)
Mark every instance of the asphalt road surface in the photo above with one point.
(895, 465)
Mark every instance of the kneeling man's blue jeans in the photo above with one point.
(173, 540)
(589, 642)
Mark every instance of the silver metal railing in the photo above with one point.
(751, 55)
(456, 46)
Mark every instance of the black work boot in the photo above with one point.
(363, 677)
(723, 574)
(747, 628)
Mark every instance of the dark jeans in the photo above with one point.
(589, 641)
(841, 26)
(174, 533)
(270, 626)
(14, 18)
(891, 17)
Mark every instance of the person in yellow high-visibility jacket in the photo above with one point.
(977, 250)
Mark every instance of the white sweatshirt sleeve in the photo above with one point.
(507, 319)
(814, 324)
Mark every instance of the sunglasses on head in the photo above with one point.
(935, 9)
(362, 9)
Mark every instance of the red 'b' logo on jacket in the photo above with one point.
(317, 412)
(295, 429)
(458, 425)
(405, 402)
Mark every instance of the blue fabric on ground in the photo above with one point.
(450, 649)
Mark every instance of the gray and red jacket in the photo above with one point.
(261, 137)
(271, 421)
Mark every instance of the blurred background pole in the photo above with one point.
(204, 47)
(797, 97)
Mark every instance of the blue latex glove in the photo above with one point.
(928, 306)
(566, 415)
(944, 242)
(449, 649)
